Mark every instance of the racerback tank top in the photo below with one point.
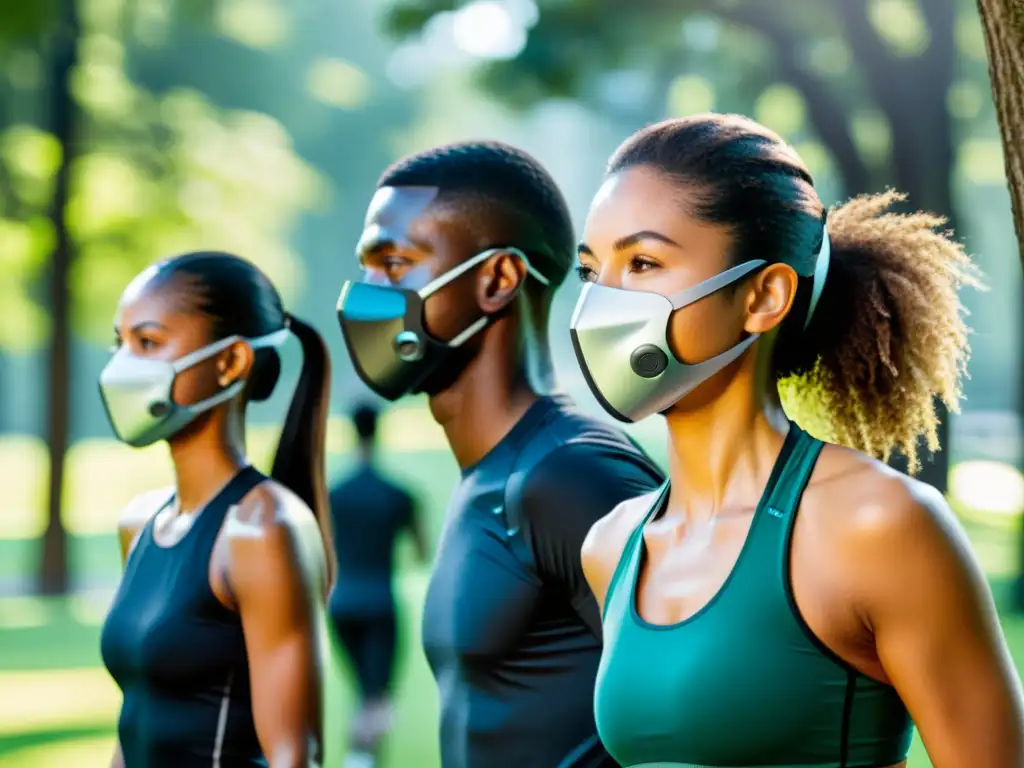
(178, 654)
(743, 682)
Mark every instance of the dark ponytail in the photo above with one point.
(299, 461)
(241, 301)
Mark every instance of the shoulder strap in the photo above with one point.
(787, 492)
(232, 493)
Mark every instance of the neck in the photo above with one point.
(487, 400)
(364, 453)
(722, 450)
(205, 459)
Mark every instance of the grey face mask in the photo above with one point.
(621, 343)
(137, 392)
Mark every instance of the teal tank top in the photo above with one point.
(743, 683)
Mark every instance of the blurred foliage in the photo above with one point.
(152, 173)
(849, 83)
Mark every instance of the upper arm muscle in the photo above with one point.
(277, 591)
(938, 637)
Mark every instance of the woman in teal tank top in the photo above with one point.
(781, 602)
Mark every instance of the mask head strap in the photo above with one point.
(437, 284)
(820, 275)
(716, 283)
(273, 339)
(440, 282)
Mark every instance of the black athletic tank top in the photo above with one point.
(178, 654)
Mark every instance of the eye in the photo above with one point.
(146, 344)
(115, 344)
(641, 263)
(395, 263)
(586, 274)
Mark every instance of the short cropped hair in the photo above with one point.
(523, 194)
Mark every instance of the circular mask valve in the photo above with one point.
(648, 361)
(408, 346)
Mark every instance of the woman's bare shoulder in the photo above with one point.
(603, 546)
(137, 512)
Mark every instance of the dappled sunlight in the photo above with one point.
(981, 161)
(781, 108)
(488, 29)
(338, 83)
(103, 475)
(873, 135)
(100, 82)
(260, 24)
(24, 612)
(57, 699)
(900, 24)
(690, 95)
(93, 500)
(990, 490)
(24, 474)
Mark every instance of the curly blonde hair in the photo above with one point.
(890, 331)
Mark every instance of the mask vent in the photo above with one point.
(648, 361)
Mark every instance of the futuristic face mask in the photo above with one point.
(621, 342)
(136, 391)
(391, 350)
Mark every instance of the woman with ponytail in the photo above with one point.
(782, 600)
(215, 633)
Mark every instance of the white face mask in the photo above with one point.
(136, 392)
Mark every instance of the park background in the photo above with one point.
(135, 129)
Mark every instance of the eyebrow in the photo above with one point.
(144, 325)
(628, 240)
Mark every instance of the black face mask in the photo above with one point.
(391, 350)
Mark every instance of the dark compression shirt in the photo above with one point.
(510, 627)
(368, 512)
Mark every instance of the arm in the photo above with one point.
(936, 631)
(272, 576)
(563, 497)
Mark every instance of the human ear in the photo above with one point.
(234, 364)
(499, 280)
(769, 298)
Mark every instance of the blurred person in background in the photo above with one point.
(214, 633)
(368, 513)
(782, 601)
(463, 248)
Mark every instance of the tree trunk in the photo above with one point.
(54, 563)
(1003, 22)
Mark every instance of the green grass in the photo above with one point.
(59, 706)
